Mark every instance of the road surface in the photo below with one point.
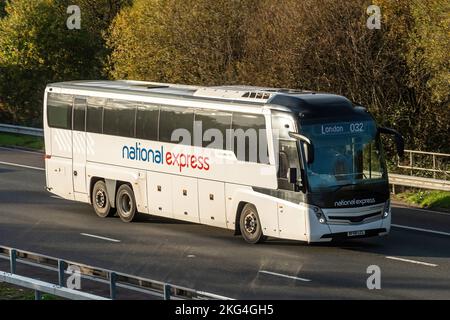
(414, 258)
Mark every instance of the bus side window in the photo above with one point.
(59, 111)
(213, 125)
(147, 121)
(119, 118)
(176, 123)
(79, 114)
(249, 140)
(94, 117)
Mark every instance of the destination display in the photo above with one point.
(341, 128)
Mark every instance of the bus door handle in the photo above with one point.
(75, 173)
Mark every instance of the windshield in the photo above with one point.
(345, 153)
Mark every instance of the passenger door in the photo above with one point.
(59, 163)
(79, 146)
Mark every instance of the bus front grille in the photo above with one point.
(341, 219)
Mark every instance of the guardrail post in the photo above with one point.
(61, 270)
(112, 285)
(12, 260)
(167, 289)
(37, 295)
(434, 166)
(411, 162)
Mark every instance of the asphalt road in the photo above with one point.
(414, 264)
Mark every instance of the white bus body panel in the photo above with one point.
(135, 177)
(159, 189)
(185, 198)
(292, 221)
(211, 200)
(265, 205)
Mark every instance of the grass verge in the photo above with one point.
(19, 140)
(427, 199)
(10, 292)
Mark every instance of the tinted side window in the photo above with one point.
(94, 118)
(249, 138)
(214, 126)
(171, 119)
(147, 120)
(59, 110)
(79, 114)
(119, 118)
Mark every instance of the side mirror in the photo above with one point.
(399, 141)
(309, 146)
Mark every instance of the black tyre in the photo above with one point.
(100, 200)
(125, 203)
(250, 225)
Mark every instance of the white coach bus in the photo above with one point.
(316, 172)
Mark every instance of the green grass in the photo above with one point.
(10, 292)
(428, 199)
(24, 141)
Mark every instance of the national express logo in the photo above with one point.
(357, 202)
(158, 156)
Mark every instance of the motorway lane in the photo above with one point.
(212, 259)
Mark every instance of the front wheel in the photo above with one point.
(250, 225)
(125, 203)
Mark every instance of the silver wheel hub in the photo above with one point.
(100, 198)
(250, 223)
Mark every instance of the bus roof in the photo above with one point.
(304, 103)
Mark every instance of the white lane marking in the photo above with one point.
(21, 150)
(413, 261)
(421, 210)
(283, 275)
(21, 166)
(420, 229)
(57, 197)
(99, 237)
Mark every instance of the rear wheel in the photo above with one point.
(125, 203)
(100, 200)
(250, 225)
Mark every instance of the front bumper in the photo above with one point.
(374, 226)
(345, 236)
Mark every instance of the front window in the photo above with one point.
(345, 153)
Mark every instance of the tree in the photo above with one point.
(188, 41)
(37, 48)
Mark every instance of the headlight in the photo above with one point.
(319, 214)
(387, 209)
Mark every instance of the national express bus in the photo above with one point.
(262, 162)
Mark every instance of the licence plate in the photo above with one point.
(356, 233)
